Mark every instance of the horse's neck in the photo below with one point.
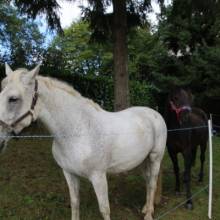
(171, 120)
(63, 113)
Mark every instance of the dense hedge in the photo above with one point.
(100, 89)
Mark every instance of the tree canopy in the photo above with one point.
(183, 50)
(74, 52)
(20, 39)
(190, 31)
(126, 13)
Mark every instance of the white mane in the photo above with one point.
(51, 83)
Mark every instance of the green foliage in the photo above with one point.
(142, 94)
(88, 65)
(102, 23)
(34, 8)
(204, 72)
(189, 31)
(184, 51)
(20, 40)
(74, 52)
(185, 25)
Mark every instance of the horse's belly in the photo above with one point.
(71, 159)
(128, 156)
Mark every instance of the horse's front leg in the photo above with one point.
(187, 178)
(202, 159)
(100, 185)
(173, 156)
(73, 184)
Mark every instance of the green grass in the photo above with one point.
(32, 186)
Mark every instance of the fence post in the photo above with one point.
(210, 169)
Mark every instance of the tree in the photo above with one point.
(20, 40)
(190, 31)
(120, 55)
(88, 65)
(187, 25)
(73, 52)
(125, 14)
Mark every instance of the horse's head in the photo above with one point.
(18, 98)
(180, 102)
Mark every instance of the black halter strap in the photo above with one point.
(29, 112)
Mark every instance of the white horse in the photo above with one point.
(88, 141)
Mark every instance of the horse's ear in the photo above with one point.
(8, 69)
(34, 72)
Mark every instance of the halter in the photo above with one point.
(179, 110)
(25, 115)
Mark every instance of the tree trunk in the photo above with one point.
(121, 78)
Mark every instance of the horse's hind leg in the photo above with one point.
(152, 170)
(202, 159)
(100, 185)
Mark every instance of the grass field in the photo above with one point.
(32, 187)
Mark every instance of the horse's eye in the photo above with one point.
(13, 99)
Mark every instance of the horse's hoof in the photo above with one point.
(189, 206)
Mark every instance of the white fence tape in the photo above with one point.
(53, 136)
(210, 170)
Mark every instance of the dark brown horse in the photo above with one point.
(180, 114)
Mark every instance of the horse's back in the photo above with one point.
(150, 116)
(144, 117)
(141, 131)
